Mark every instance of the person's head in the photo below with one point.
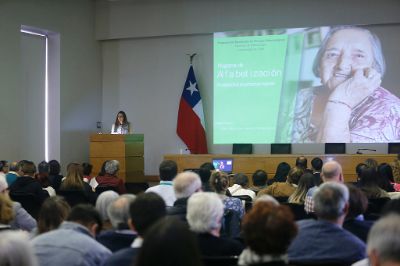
(267, 198)
(111, 167)
(16, 249)
(383, 245)
(168, 169)
(219, 182)
(14, 166)
(204, 212)
(344, 50)
(183, 252)
(186, 183)
(359, 168)
(87, 216)
(260, 178)
(118, 211)
(369, 177)
(331, 201)
(305, 183)
(145, 210)
(43, 167)
(371, 163)
(103, 168)
(103, 201)
(316, 164)
(282, 171)
(54, 167)
(268, 229)
(301, 162)
(74, 178)
(121, 118)
(358, 202)
(294, 175)
(53, 212)
(6, 209)
(241, 179)
(332, 171)
(385, 171)
(205, 172)
(28, 168)
(4, 166)
(87, 169)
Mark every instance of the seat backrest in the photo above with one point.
(298, 211)
(29, 202)
(282, 199)
(247, 200)
(74, 197)
(375, 207)
(101, 189)
(220, 261)
(230, 227)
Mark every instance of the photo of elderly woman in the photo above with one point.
(350, 105)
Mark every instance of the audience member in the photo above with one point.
(332, 172)
(306, 182)
(219, 182)
(15, 249)
(204, 215)
(93, 183)
(53, 212)
(183, 252)
(355, 222)
(120, 236)
(167, 170)
(267, 198)
(241, 186)
(301, 162)
(371, 163)
(28, 185)
(392, 206)
(103, 201)
(22, 219)
(110, 178)
(316, 167)
(359, 168)
(396, 168)
(324, 240)
(6, 211)
(144, 211)
(55, 177)
(205, 173)
(87, 170)
(260, 178)
(12, 174)
(74, 182)
(386, 180)
(43, 174)
(73, 242)
(284, 189)
(282, 170)
(185, 185)
(369, 184)
(3, 169)
(268, 230)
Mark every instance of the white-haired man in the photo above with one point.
(331, 172)
(324, 240)
(185, 185)
(204, 215)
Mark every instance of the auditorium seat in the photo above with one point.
(375, 207)
(101, 189)
(248, 201)
(230, 227)
(220, 261)
(74, 197)
(29, 202)
(298, 211)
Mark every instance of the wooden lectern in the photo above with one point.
(127, 149)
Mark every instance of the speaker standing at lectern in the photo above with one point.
(121, 124)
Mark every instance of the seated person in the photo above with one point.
(110, 179)
(306, 182)
(260, 178)
(369, 184)
(241, 186)
(268, 230)
(280, 189)
(204, 215)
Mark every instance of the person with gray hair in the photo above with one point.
(350, 105)
(185, 185)
(103, 201)
(16, 250)
(324, 240)
(120, 236)
(110, 178)
(204, 215)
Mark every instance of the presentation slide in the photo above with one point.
(302, 85)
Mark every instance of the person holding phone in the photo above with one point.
(121, 124)
(350, 105)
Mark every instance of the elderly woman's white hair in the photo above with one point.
(186, 183)
(16, 250)
(111, 167)
(103, 201)
(118, 210)
(204, 212)
(384, 240)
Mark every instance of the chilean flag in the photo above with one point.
(191, 126)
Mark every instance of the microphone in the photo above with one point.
(359, 150)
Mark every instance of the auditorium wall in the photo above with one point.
(80, 74)
(144, 46)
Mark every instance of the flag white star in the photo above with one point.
(192, 88)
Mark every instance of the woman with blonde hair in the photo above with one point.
(305, 183)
